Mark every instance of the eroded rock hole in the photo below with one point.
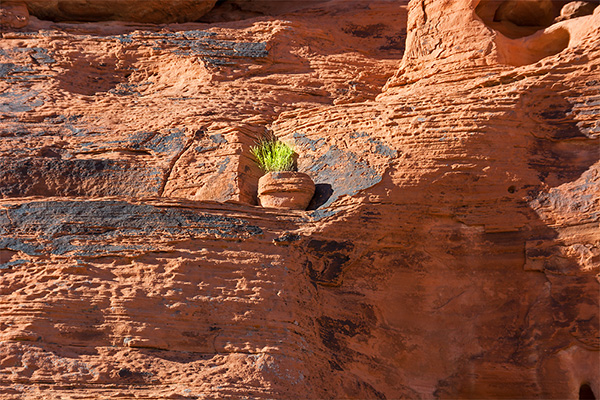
(526, 13)
(529, 28)
(520, 18)
(586, 392)
(517, 18)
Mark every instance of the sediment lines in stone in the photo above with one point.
(451, 249)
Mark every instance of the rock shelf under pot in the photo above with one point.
(281, 186)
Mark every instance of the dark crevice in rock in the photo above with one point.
(586, 392)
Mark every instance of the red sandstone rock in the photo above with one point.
(286, 190)
(13, 15)
(577, 9)
(454, 247)
(149, 11)
(232, 10)
(526, 13)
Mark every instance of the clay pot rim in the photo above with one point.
(286, 173)
(291, 183)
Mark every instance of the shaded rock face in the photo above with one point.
(149, 11)
(577, 9)
(233, 10)
(155, 11)
(526, 13)
(451, 250)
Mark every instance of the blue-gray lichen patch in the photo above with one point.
(343, 171)
(17, 244)
(218, 138)
(223, 165)
(11, 264)
(97, 228)
(346, 173)
(24, 64)
(129, 89)
(42, 56)
(7, 69)
(172, 142)
(383, 149)
(18, 100)
(209, 143)
(213, 51)
(133, 142)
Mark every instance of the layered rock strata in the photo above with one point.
(451, 250)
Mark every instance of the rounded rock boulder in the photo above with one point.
(286, 190)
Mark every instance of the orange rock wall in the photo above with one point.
(452, 249)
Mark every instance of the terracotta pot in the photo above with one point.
(289, 190)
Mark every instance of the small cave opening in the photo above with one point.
(516, 19)
(526, 13)
(530, 29)
(586, 392)
(519, 18)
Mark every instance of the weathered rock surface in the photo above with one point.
(13, 15)
(452, 249)
(577, 9)
(149, 11)
(233, 10)
(287, 189)
(526, 13)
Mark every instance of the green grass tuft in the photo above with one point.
(272, 155)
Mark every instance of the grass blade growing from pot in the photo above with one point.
(273, 155)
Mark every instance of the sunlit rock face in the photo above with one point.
(451, 249)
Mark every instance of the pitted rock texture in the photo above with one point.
(451, 250)
(13, 15)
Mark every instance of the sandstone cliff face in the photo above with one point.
(150, 11)
(452, 249)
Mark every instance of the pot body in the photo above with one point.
(287, 189)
